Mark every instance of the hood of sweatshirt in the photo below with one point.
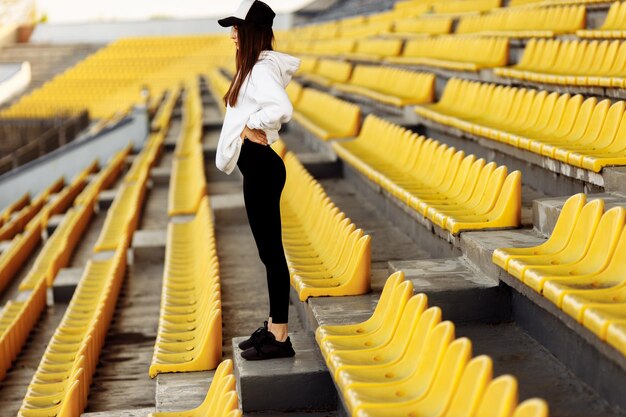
(285, 64)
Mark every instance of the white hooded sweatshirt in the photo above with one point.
(262, 104)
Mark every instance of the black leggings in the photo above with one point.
(263, 182)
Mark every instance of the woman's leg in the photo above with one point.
(262, 199)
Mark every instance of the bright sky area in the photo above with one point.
(61, 11)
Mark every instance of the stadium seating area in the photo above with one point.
(404, 359)
(421, 169)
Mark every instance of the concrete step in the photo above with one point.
(546, 211)
(301, 383)
(463, 293)
(182, 391)
(570, 342)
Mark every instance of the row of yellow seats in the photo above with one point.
(421, 26)
(163, 115)
(329, 71)
(375, 49)
(218, 85)
(526, 22)
(465, 6)
(580, 268)
(327, 255)
(60, 386)
(104, 179)
(221, 399)
(35, 217)
(124, 213)
(405, 361)
(576, 62)
(583, 133)
(21, 218)
(59, 247)
(614, 25)
(392, 86)
(191, 127)
(66, 197)
(105, 91)
(340, 119)
(455, 191)
(14, 207)
(188, 181)
(16, 321)
(462, 53)
(366, 30)
(190, 324)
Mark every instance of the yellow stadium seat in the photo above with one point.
(598, 317)
(371, 324)
(390, 85)
(533, 407)
(340, 119)
(330, 71)
(220, 400)
(597, 257)
(616, 336)
(294, 91)
(575, 248)
(556, 288)
(558, 238)
(500, 398)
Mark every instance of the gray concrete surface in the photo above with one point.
(463, 293)
(300, 383)
(149, 245)
(65, 284)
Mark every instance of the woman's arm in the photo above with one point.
(269, 92)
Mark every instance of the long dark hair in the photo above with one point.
(252, 39)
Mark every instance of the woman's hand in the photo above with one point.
(255, 135)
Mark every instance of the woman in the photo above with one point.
(256, 106)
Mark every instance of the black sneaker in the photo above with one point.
(269, 348)
(258, 334)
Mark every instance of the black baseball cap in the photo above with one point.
(250, 11)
